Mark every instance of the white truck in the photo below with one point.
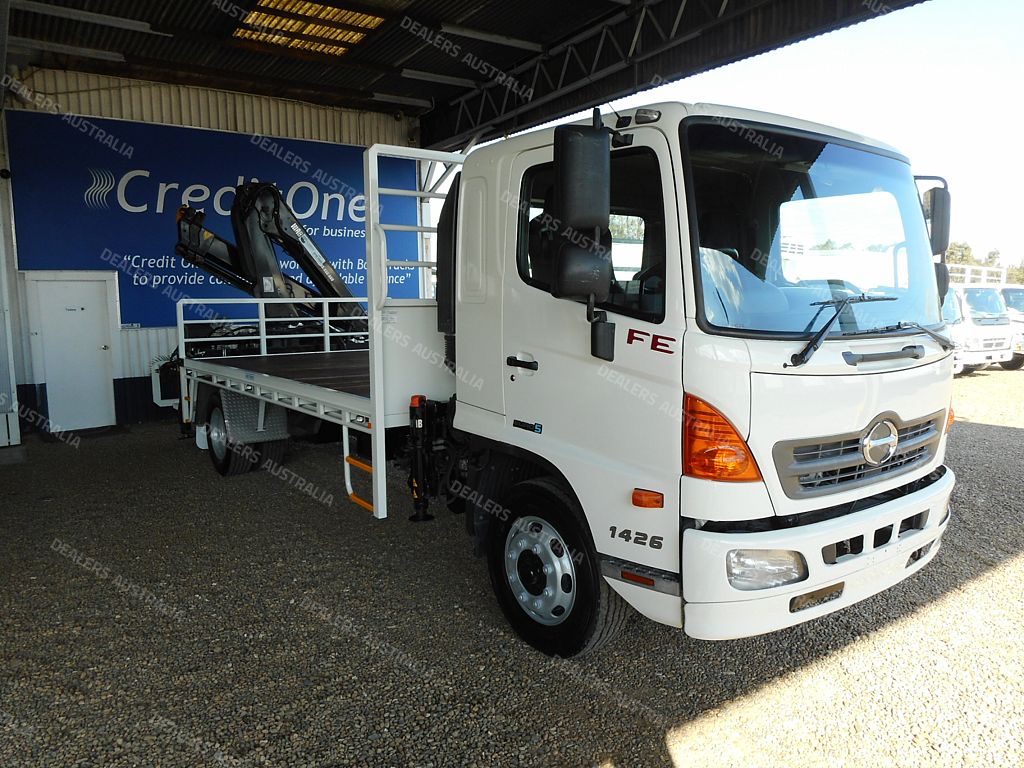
(1013, 295)
(980, 326)
(687, 359)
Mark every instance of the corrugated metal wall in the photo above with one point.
(140, 346)
(118, 98)
(148, 102)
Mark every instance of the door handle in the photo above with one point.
(105, 346)
(515, 362)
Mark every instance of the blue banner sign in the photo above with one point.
(105, 198)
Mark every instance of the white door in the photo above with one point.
(74, 325)
(610, 426)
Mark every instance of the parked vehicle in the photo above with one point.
(687, 359)
(1013, 295)
(979, 324)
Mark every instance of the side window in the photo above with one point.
(636, 227)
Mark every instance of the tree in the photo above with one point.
(960, 253)
(1016, 274)
(992, 260)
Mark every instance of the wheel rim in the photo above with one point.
(218, 434)
(540, 570)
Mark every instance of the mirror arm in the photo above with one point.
(602, 333)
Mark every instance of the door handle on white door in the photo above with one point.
(515, 362)
(105, 346)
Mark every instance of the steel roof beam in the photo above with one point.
(490, 37)
(73, 14)
(625, 39)
(26, 44)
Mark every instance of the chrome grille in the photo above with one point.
(815, 468)
(995, 343)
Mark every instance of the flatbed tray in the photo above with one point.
(347, 372)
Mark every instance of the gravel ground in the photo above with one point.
(270, 627)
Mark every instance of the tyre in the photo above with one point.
(270, 455)
(545, 574)
(968, 369)
(229, 458)
(1015, 364)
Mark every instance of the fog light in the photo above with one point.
(750, 569)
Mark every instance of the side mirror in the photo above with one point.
(582, 263)
(937, 204)
(942, 281)
(582, 250)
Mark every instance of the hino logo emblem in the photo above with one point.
(879, 444)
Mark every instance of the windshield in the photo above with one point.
(985, 304)
(951, 308)
(1014, 298)
(785, 221)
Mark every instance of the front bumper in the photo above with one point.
(714, 610)
(981, 357)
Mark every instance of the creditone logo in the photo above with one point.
(137, 192)
(880, 443)
(103, 183)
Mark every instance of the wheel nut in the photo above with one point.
(536, 549)
(537, 604)
(548, 592)
(547, 570)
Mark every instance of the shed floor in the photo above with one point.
(154, 613)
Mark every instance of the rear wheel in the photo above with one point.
(545, 574)
(229, 458)
(1015, 364)
(270, 455)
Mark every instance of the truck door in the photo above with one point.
(618, 420)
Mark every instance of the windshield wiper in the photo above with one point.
(815, 341)
(943, 341)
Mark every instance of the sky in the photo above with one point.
(943, 82)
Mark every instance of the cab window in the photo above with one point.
(636, 227)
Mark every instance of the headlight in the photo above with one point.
(972, 342)
(750, 569)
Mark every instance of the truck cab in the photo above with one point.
(980, 325)
(758, 437)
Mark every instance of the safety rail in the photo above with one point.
(206, 354)
(261, 322)
(377, 263)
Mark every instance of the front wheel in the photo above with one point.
(1015, 364)
(545, 574)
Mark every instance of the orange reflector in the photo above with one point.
(950, 417)
(648, 499)
(416, 401)
(636, 578)
(712, 448)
